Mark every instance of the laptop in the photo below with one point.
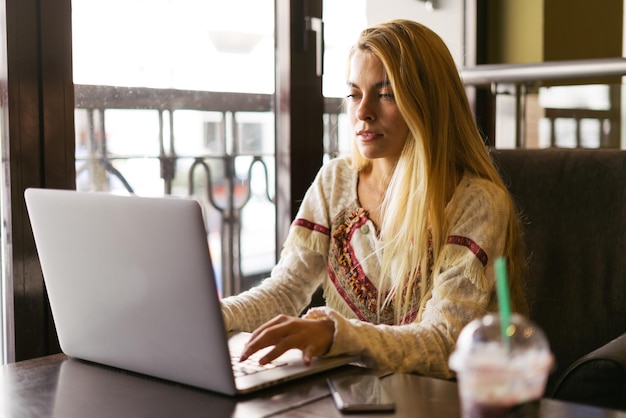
(131, 285)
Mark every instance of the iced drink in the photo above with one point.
(501, 374)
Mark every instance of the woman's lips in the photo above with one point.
(368, 135)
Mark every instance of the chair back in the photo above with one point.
(573, 208)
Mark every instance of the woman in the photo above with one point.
(402, 235)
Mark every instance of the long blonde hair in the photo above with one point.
(443, 144)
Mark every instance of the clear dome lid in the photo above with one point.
(483, 343)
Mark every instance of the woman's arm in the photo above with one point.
(287, 291)
(421, 347)
(303, 261)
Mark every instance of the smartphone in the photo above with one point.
(360, 393)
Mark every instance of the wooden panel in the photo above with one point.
(299, 108)
(57, 94)
(41, 142)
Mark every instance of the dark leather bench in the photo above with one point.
(573, 207)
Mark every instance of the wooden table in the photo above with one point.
(58, 386)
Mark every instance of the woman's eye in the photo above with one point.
(389, 96)
(352, 96)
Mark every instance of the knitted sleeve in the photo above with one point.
(461, 290)
(302, 265)
(287, 291)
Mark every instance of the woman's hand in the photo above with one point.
(312, 336)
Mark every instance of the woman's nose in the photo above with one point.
(365, 109)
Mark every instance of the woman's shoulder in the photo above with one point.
(480, 211)
(335, 184)
(478, 188)
(338, 168)
(477, 196)
(338, 164)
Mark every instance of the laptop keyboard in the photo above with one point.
(251, 365)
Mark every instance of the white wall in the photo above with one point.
(447, 19)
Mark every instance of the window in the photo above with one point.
(175, 97)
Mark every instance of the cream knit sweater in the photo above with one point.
(332, 243)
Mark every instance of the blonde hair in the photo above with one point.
(443, 144)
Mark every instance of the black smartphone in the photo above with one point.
(360, 393)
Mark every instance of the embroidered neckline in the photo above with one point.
(348, 277)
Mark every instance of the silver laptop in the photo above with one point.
(131, 285)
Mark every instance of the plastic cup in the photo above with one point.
(501, 375)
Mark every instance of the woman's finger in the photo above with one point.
(312, 337)
(268, 334)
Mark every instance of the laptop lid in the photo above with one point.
(131, 285)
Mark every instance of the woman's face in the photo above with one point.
(379, 129)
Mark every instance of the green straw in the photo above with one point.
(504, 302)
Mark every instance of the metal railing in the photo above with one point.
(544, 71)
(516, 80)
